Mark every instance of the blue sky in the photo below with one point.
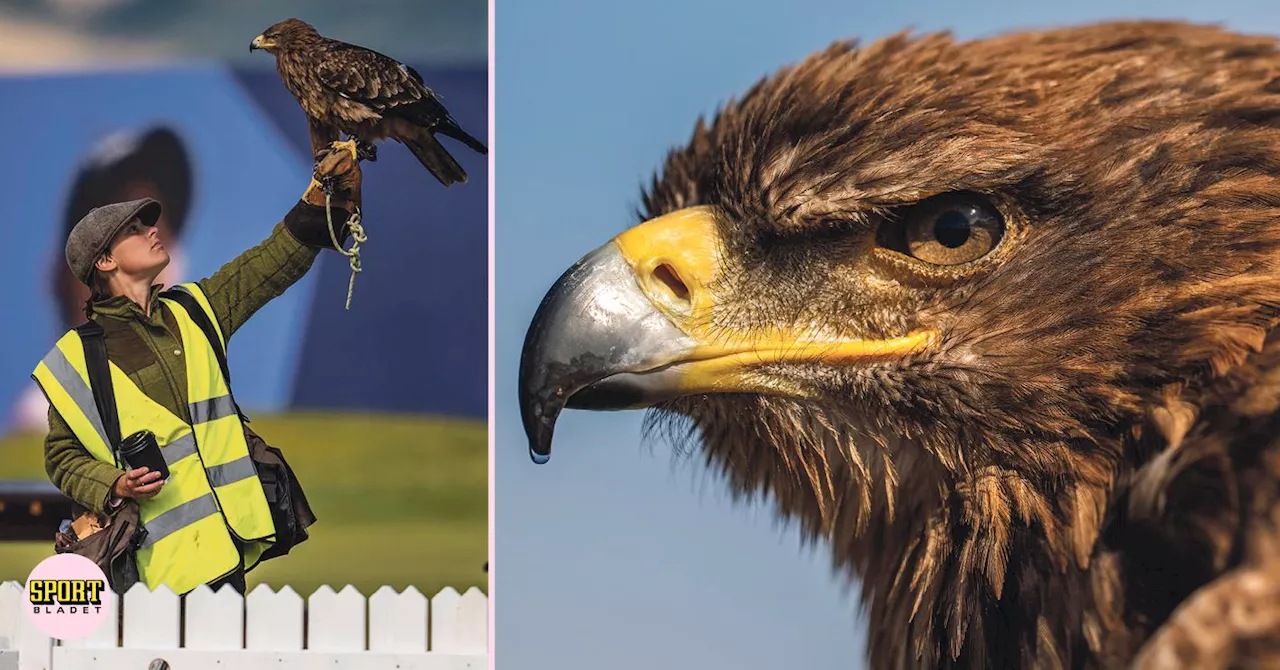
(612, 555)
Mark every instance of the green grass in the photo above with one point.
(399, 500)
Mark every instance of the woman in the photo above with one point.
(208, 523)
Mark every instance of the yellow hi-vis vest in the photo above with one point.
(213, 493)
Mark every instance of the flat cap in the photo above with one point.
(91, 236)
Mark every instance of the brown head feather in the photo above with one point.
(292, 35)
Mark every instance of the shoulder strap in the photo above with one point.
(201, 320)
(95, 358)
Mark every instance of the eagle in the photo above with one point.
(364, 94)
(994, 320)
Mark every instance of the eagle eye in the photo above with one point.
(949, 229)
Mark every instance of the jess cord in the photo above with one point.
(66, 596)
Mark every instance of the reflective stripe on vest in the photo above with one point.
(212, 484)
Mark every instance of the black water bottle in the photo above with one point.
(140, 450)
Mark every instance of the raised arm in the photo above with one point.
(255, 277)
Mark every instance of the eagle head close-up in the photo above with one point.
(288, 34)
(992, 320)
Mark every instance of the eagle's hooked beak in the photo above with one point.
(260, 42)
(629, 326)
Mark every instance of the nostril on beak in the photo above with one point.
(668, 279)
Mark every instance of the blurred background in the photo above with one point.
(614, 555)
(381, 410)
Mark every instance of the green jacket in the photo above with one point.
(149, 349)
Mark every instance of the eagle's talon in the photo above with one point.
(348, 145)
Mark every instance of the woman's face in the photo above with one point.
(136, 252)
(72, 293)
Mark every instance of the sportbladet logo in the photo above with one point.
(68, 597)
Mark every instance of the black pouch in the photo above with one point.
(289, 508)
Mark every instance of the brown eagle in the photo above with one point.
(996, 320)
(364, 94)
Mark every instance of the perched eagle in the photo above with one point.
(996, 320)
(364, 94)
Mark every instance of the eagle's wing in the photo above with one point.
(389, 88)
(373, 79)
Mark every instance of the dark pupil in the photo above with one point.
(952, 229)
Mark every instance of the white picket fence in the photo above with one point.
(265, 629)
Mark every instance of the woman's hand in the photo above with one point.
(337, 172)
(139, 484)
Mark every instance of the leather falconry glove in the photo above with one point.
(337, 173)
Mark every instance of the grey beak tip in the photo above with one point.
(593, 325)
(539, 432)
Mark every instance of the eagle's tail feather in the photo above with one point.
(450, 128)
(435, 158)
